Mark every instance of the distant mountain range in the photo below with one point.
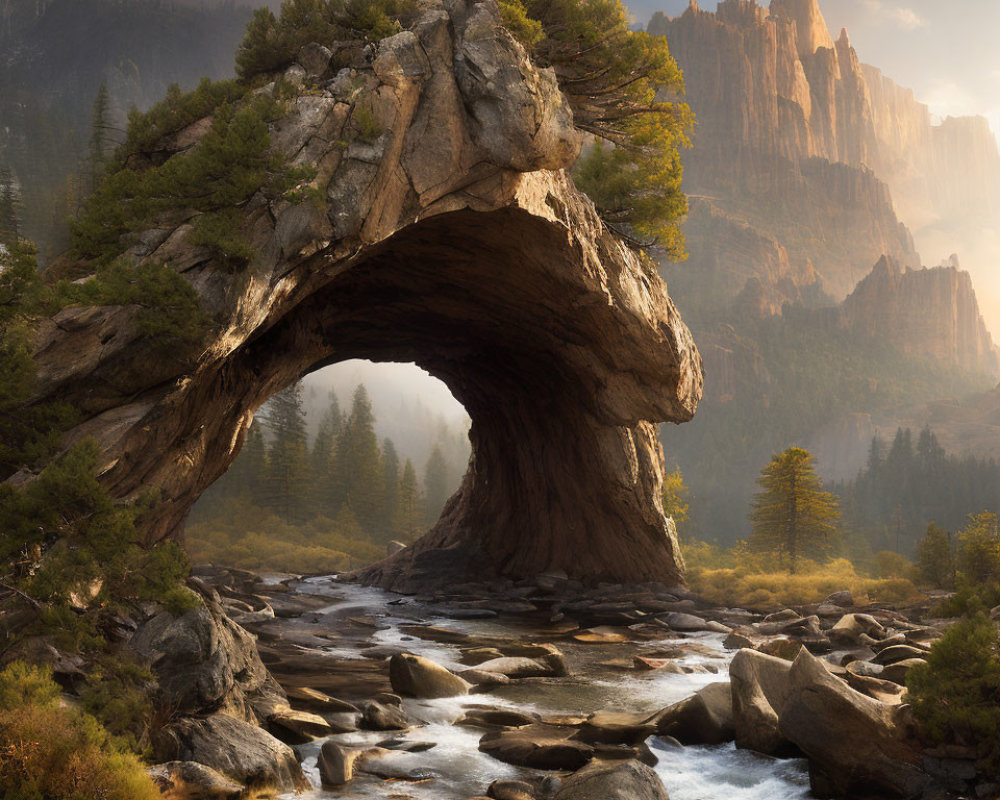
(813, 178)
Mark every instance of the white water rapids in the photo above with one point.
(454, 767)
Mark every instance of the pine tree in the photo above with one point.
(410, 513)
(357, 462)
(935, 558)
(287, 484)
(792, 515)
(100, 139)
(979, 549)
(10, 204)
(321, 460)
(435, 485)
(389, 509)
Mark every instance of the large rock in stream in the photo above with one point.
(627, 780)
(856, 745)
(452, 237)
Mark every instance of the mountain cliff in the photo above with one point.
(932, 313)
(795, 134)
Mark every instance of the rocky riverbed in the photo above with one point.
(547, 690)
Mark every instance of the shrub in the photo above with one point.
(170, 313)
(27, 434)
(54, 752)
(956, 694)
(231, 163)
(273, 42)
(749, 585)
(979, 549)
(90, 539)
(252, 538)
(175, 112)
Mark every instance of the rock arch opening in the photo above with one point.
(452, 238)
(338, 470)
(562, 359)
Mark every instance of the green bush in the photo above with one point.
(175, 112)
(27, 434)
(956, 694)
(935, 559)
(170, 313)
(53, 752)
(273, 42)
(232, 162)
(92, 545)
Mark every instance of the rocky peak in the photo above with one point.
(930, 312)
(812, 32)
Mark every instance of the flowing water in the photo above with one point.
(454, 767)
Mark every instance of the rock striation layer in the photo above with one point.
(452, 238)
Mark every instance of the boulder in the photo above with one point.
(899, 652)
(205, 663)
(337, 764)
(377, 716)
(478, 678)
(896, 671)
(704, 718)
(238, 750)
(785, 649)
(496, 718)
(628, 780)
(612, 727)
(759, 689)
(856, 745)
(298, 727)
(538, 746)
(548, 666)
(187, 780)
(881, 690)
(416, 676)
(738, 639)
(843, 599)
(312, 700)
(511, 790)
(679, 621)
(850, 628)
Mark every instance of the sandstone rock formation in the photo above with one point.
(453, 239)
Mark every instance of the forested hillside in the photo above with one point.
(328, 501)
(56, 57)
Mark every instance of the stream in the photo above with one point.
(601, 678)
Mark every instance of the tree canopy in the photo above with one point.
(792, 516)
(623, 87)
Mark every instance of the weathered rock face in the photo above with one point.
(926, 312)
(453, 240)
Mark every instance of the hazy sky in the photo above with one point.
(945, 50)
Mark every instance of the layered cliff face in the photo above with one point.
(450, 236)
(775, 95)
(781, 141)
(931, 313)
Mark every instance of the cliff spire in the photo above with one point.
(811, 29)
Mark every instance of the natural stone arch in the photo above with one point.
(455, 242)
